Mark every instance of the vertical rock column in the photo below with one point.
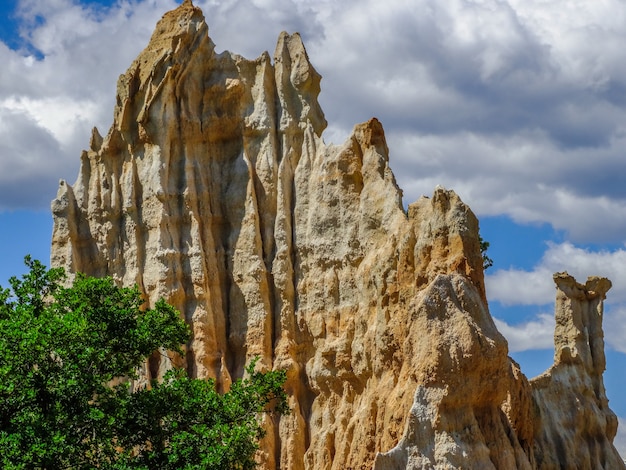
(576, 426)
(214, 189)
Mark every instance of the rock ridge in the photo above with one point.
(214, 189)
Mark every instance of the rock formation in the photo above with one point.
(214, 189)
(570, 396)
(558, 420)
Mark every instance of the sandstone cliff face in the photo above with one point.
(560, 420)
(214, 189)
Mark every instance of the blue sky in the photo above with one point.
(517, 105)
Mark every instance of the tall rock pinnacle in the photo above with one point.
(214, 189)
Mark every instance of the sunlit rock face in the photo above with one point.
(558, 420)
(214, 189)
(576, 427)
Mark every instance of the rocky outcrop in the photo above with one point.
(576, 427)
(214, 189)
(558, 420)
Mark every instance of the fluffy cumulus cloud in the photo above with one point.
(525, 287)
(484, 97)
(58, 81)
(534, 334)
(534, 287)
(518, 105)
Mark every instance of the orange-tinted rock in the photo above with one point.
(214, 189)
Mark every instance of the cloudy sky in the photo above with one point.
(517, 105)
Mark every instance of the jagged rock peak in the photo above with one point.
(214, 189)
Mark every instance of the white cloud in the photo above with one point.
(58, 115)
(535, 287)
(476, 96)
(514, 286)
(534, 334)
(55, 90)
(615, 327)
(21, 165)
(517, 105)
(518, 287)
(585, 37)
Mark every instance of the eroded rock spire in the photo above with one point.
(214, 189)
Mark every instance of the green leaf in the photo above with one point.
(62, 347)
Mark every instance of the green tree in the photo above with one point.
(61, 348)
(205, 430)
(484, 246)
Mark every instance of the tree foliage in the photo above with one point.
(484, 246)
(60, 350)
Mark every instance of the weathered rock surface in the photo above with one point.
(214, 189)
(560, 420)
(576, 426)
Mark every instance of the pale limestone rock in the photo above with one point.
(576, 426)
(457, 418)
(560, 420)
(214, 189)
